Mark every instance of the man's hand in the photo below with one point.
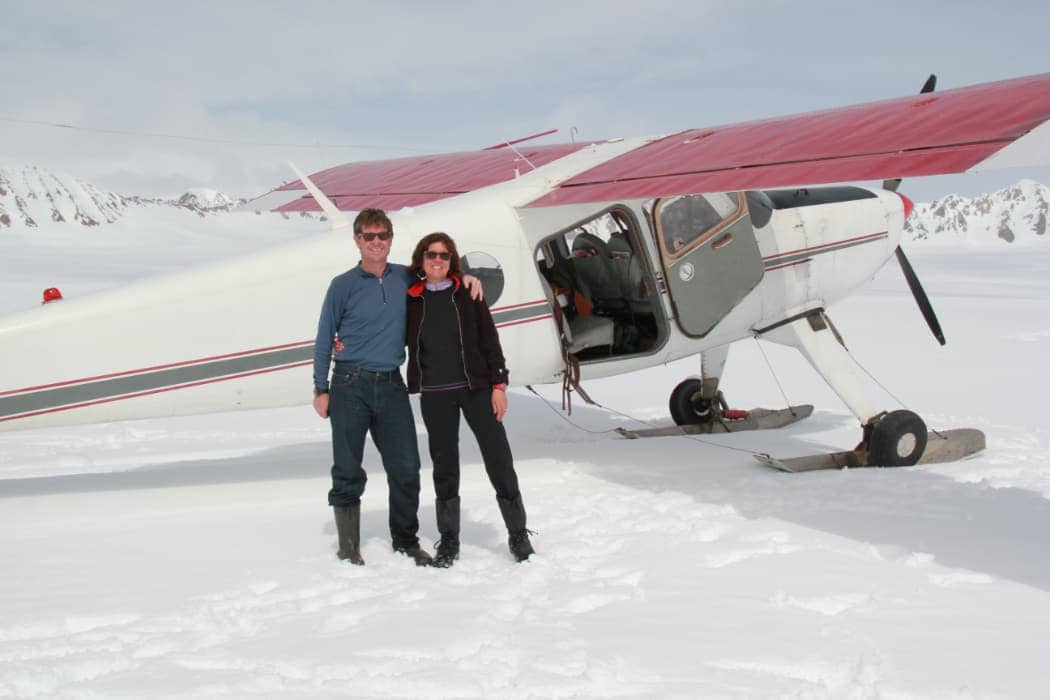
(321, 405)
(473, 284)
(499, 404)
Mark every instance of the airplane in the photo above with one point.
(597, 258)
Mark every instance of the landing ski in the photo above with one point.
(756, 419)
(941, 446)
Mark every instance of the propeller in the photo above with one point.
(909, 272)
(920, 296)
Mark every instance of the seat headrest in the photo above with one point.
(619, 244)
(588, 240)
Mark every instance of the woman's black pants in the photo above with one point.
(441, 411)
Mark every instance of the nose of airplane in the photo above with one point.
(908, 205)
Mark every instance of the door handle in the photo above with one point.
(722, 242)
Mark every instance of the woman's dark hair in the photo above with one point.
(454, 267)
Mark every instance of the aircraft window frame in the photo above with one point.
(672, 256)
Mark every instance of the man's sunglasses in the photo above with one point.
(431, 254)
(384, 236)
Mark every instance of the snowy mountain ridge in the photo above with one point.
(30, 196)
(1017, 213)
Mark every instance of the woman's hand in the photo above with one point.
(473, 285)
(499, 403)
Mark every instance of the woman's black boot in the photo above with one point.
(513, 511)
(448, 526)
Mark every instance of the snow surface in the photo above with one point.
(195, 557)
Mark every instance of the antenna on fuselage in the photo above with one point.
(337, 217)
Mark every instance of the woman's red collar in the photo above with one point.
(416, 290)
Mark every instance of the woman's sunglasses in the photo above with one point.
(431, 254)
(369, 237)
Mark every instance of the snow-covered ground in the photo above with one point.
(195, 557)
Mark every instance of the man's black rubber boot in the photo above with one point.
(348, 527)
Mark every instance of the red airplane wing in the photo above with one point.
(404, 182)
(926, 134)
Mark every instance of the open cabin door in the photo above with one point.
(595, 264)
(709, 254)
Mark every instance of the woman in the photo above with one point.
(455, 360)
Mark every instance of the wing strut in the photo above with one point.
(337, 217)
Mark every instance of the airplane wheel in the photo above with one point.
(898, 440)
(687, 408)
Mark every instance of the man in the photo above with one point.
(363, 320)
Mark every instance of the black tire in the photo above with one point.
(898, 440)
(685, 404)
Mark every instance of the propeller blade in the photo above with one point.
(920, 296)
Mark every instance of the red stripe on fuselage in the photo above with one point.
(496, 309)
(527, 320)
(818, 248)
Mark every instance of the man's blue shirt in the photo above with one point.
(368, 314)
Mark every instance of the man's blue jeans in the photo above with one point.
(362, 401)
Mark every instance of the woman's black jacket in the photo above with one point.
(482, 355)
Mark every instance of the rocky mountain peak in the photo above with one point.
(30, 195)
(1017, 213)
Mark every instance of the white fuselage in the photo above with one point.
(239, 334)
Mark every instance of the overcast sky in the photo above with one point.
(199, 92)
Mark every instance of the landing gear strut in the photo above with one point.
(894, 439)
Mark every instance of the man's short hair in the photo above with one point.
(372, 217)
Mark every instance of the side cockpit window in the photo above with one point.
(689, 220)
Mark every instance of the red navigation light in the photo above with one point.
(51, 294)
(908, 205)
